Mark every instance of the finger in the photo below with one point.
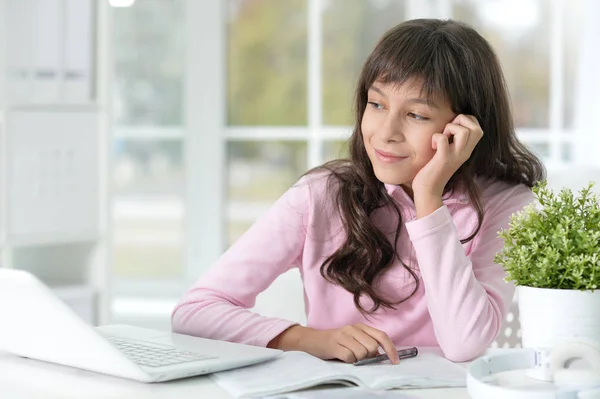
(349, 342)
(344, 354)
(471, 123)
(468, 121)
(367, 341)
(460, 134)
(440, 143)
(384, 341)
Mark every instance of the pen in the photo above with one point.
(402, 354)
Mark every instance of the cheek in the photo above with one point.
(424, 150)
(366, 127)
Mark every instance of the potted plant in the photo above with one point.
(552, 253)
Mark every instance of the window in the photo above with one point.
(267, 63)
(292, 67)
(148, 168)
(537, 43)
(299, 97)
(282, 105)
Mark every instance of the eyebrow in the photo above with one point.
(414, 100)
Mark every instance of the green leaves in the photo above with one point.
(554, 243)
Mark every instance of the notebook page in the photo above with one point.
(289, 372)
(427, 370)
(343, 393)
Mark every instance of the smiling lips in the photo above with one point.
(388, 157)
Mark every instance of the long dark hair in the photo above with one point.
(455, 62)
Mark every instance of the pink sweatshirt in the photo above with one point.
(460, 305)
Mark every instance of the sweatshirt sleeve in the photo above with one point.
(466, 293)
(217, 305)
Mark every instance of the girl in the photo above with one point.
(395, 245)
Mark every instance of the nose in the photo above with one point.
(391, 131)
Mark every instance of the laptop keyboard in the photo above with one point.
(155, 355)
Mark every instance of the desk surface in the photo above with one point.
(25, 378)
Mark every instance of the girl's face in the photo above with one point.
(397, 127)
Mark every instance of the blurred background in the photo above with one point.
(199, 114)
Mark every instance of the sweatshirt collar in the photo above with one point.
(398, 193)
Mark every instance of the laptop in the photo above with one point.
(36, 324)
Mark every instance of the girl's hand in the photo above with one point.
(464, 132)
(348, 344)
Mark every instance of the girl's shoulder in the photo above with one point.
(319, 184)
(501, 193)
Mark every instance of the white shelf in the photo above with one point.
(53, 152)
(69, 107)
(53, 239)
(3, 157)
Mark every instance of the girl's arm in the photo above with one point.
(217, 305)
(466, 292)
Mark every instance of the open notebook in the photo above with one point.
(293, 371)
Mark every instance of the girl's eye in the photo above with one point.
(375, 105)
(417, 117)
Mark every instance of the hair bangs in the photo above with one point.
(406, 61)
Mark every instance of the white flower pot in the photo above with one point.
(549, 316)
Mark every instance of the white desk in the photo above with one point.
(31, 379)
